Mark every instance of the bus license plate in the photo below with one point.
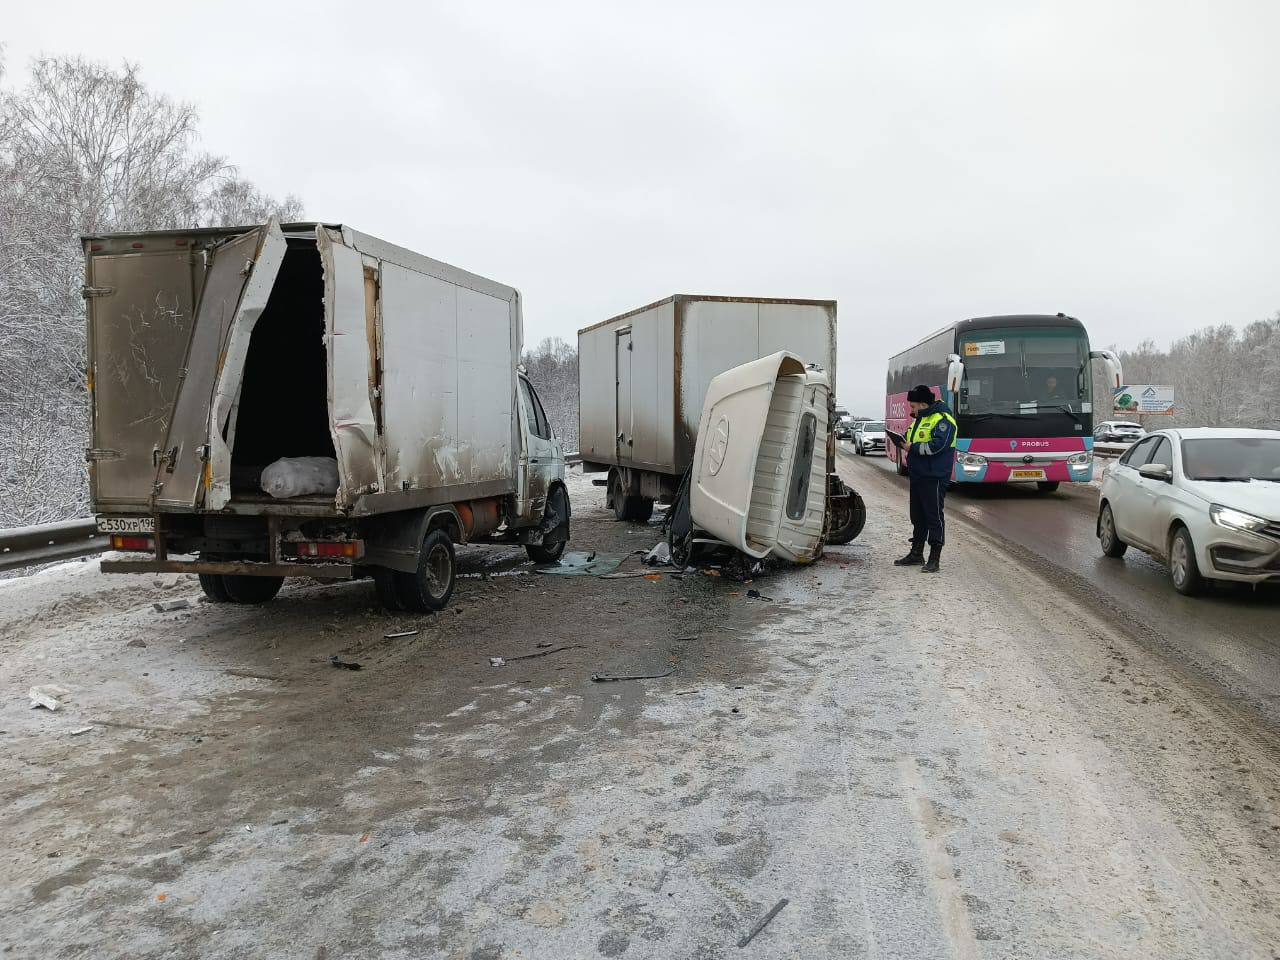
(1026, 474)
(126, 524)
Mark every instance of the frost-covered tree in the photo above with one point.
(553, 370)
(84, 148)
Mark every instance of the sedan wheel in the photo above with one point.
(1182, 564)
(1112, 545)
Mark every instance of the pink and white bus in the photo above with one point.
(1021, 389)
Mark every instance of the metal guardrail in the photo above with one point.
(50, 542)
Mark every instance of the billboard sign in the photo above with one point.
(1144, 399)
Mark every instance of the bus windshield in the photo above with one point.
(1025, 370)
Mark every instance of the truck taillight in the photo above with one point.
(132, 544)
(336, 550)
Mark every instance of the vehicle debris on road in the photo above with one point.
(400, 635)
(500, 661)
(579, 564)
(168, 606)
(764, 922)
(611, 678)
(341, 664)
(51, 696)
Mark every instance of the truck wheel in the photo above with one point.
(557, 506)
(384, 584)
(431, 586)
(246, 589)
(848, 517)
(625, 508)
(214, 589)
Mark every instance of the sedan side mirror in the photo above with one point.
(1156, 471)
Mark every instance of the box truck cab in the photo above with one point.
(382, 385)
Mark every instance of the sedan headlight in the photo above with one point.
(1236, 519)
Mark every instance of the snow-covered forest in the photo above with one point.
(84, 148)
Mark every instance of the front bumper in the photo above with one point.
(1241, 557)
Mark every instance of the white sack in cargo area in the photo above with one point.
(299, 476)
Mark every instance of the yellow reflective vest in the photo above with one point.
(921, 431)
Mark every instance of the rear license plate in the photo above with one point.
(126, 524)
(1026, 474)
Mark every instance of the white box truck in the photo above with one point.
(643, 376)
(309, 400)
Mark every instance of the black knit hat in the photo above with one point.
(920, 394)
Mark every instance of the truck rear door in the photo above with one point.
(140, 312)
(238, 282)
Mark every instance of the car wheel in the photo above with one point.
(1183, 568)
(1112, 545)
(429, 588)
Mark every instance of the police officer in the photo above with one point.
(930, 444)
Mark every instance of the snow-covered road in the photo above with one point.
(978, 764)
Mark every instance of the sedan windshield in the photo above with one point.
(1232, 458)
(873, 426)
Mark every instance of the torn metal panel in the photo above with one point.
(351, 419)
(231, 359)
(239, 279)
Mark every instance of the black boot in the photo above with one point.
(912, 559)
(931, 565)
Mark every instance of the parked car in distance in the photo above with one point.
(868, 436)
(1206, 501)
(1118, 431)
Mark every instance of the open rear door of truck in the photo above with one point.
(237, 285)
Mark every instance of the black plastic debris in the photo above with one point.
(764, 922)
(337, 661)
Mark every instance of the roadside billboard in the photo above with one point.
(1144, 399)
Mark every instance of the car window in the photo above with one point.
(1163, 453)
(538, 427)
(544, 425)
(1137, 455)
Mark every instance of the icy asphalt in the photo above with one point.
(988, 765)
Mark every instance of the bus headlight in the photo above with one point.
(971, 462)
(1080, 461)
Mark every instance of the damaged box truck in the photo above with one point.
(643, 378)
(308, 400)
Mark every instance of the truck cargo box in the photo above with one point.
(213, 353)
(643, 375)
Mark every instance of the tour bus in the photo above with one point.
(1021, 389)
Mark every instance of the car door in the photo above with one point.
(1153, 499)
(1125, 495)
(538, 459)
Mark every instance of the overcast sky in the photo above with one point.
(917, 162)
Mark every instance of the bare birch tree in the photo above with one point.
(84, 148)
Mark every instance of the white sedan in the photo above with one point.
(1205, 501)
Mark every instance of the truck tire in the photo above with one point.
(214, 589)
(384, 584)
(631, 509)
(848, 517)
(429, 588)
(557, 505)
(247, 589)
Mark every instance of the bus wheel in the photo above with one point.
(1047, 486)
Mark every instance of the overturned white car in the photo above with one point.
(762, 479)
